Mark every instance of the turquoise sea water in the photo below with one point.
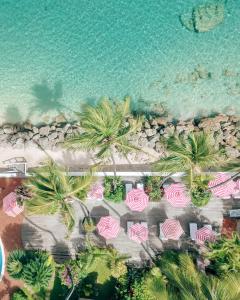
(56, 54)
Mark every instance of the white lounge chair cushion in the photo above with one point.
(129, 187)
(193, 230)
(161, 235)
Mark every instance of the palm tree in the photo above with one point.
(106, 129)
(191, 155)
(187, 283)
(52, 191)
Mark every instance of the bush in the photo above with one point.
(153, 187)
(34, 267)
(200, 197)
(19, 295)
(113, 188)
(199, 193)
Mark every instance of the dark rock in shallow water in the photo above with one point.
(204, 17)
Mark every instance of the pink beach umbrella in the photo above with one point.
(138, 233)
(205, 234)
(225, 190)
(10, 206)
(108, 227)
(176, 195)
(172, 229)
(137, 200)
(96, 192)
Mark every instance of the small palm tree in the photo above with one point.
(193, 155)
(15, 263)
(106, 130)
(52, 191)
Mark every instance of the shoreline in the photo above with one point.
(35, 143)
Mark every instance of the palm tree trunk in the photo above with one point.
(114, 164)
(82, 204)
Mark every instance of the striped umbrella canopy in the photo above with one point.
(10, 206)
(96, 192)
(205, 234)
(225, 190)
(137, 200)
(108, 227)
(138, 233)
(176, 195)
(172, 229)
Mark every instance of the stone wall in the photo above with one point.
(224, 129)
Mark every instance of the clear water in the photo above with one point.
(1, 260)
(56, 54)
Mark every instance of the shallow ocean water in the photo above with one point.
(57, 54)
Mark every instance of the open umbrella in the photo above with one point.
(205, 234)
(137, 200)
(96, 192)
(108, 227)
(10, 205)
(172, 229)
(225, 190)
(176, 195)
(138, 233)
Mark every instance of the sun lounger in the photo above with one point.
(234, 213)
(208, 226)
(144, 224)
(140, 185)
(193, 229)
(128, 187)
(161, 235)
(129, 224)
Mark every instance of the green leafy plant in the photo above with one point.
(19, 295)
(200, 194)
(113, 188)
(224, 255)
(152, 186)
(15, 263)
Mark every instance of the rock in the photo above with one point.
(159, 147)
(60, 119)
(19, 143)
(35, 129)
(36, 137)
(8, 129)
(44, 131)
(27, 126)
(44, 142)
(232, 152)
(146, 125)
(53, 136)
(143, 142)
(150, 132)
(60, 138)
(170, 130)
(231, 140)
(204, 17)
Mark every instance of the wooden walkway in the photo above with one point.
(49, 233)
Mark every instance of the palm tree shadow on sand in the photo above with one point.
(47, 99)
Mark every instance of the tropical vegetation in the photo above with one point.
(35, 268)
(200, 194)
(53, 191)
(192, 155)
(106, 129)
(224, 255)
(153, 187)
(113, 188)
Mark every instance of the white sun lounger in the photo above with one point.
(128, 187)
(161, 235)
(129, 224)
(193, 230)
(144, 224)
(208, 226)
(140, 186)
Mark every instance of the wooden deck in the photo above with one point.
(49, 233)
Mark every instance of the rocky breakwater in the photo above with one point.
(224, 130)
(47, 136)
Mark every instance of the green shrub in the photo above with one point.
(15, 263)
(19, 295)
(200, 197)
(113, 188)
(153, 187)
(199, 192)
